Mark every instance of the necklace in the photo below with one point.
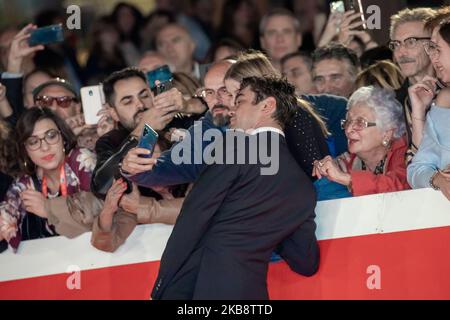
(379, 169)
(62, 184)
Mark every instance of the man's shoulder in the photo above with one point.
(112, 139)
(325, 99)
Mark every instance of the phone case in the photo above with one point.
(162, 74)
(46, 35)
(92, 102)
(148, 140)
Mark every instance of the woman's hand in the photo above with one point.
(331, 30)
(330, 169)
(35, 203)
(114, 195)
(347, 28)
(164, 192)
(421, 94)
(106, 123)
(130, 202)
(20, 49)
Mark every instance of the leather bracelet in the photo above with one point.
(432, 185)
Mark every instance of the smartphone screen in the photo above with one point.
(148, 140)
(337, 7)
(165, 78)
(92, 101)
(46, 35)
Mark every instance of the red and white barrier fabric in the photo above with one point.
(387, 246)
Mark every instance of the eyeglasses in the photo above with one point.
(358, 124)
(210, 94)
(34, 143)
(409, 43)
(432, 49)
(63, 102)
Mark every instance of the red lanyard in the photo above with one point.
(62, 183)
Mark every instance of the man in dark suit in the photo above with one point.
(236, 216)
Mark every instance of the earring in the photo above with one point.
(25, 164)
(385, 143)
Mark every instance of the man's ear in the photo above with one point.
(269, 106)
(114, 114)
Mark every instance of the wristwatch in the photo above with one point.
(432, 185)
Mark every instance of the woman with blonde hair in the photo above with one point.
(384, 74)
(307, 132)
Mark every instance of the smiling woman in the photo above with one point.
(374, 128)
(51, 166)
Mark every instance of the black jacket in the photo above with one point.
(14, 94)
(231, 222)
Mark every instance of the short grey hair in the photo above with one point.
(388, 110)
(276, 13)
(409, 15)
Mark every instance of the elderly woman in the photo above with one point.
(376, 161)
(431, 165)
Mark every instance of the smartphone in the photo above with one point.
(357, 6)
(46, 35)
(337, 7)
(165, 78)
(92, 100)
(148, 140)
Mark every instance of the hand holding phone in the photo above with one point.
(46, 35)
(148, 140)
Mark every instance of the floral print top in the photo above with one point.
(80, 164)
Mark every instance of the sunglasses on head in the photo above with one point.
(63, 102)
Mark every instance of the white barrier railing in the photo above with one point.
(383, 213)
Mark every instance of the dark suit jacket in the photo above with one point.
(14, 95)
(231, 222)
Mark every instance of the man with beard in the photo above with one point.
(130, 99)
(164, 172)
(408, 35)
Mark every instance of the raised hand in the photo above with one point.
(20, 49)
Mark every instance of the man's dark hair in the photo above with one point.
(281, 90)
(336, 51)
(306, 57)
(444, 30)
(25, 128)
(127, 73)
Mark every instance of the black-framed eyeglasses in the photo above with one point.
(51, 137)
(358, 124)
(409, 43)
